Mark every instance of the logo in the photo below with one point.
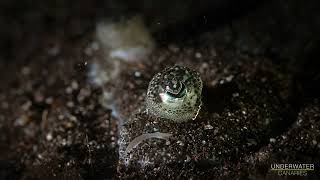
(292, 169)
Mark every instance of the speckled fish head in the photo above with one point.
(175, 94)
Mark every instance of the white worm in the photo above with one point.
(136, 141)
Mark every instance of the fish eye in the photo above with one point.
(180, 94)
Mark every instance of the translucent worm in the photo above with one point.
(136, 141)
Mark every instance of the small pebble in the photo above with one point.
(198, 55)
(49, 137)
(180, 143)
(272, 140)
(74, 85)
(208, 127)
(314, 142)
(137, 74)
(54, 50)
(25, 70)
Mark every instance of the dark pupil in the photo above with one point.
(181, 93)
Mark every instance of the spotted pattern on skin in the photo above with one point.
(175, 94)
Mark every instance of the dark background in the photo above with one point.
(285, 31)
